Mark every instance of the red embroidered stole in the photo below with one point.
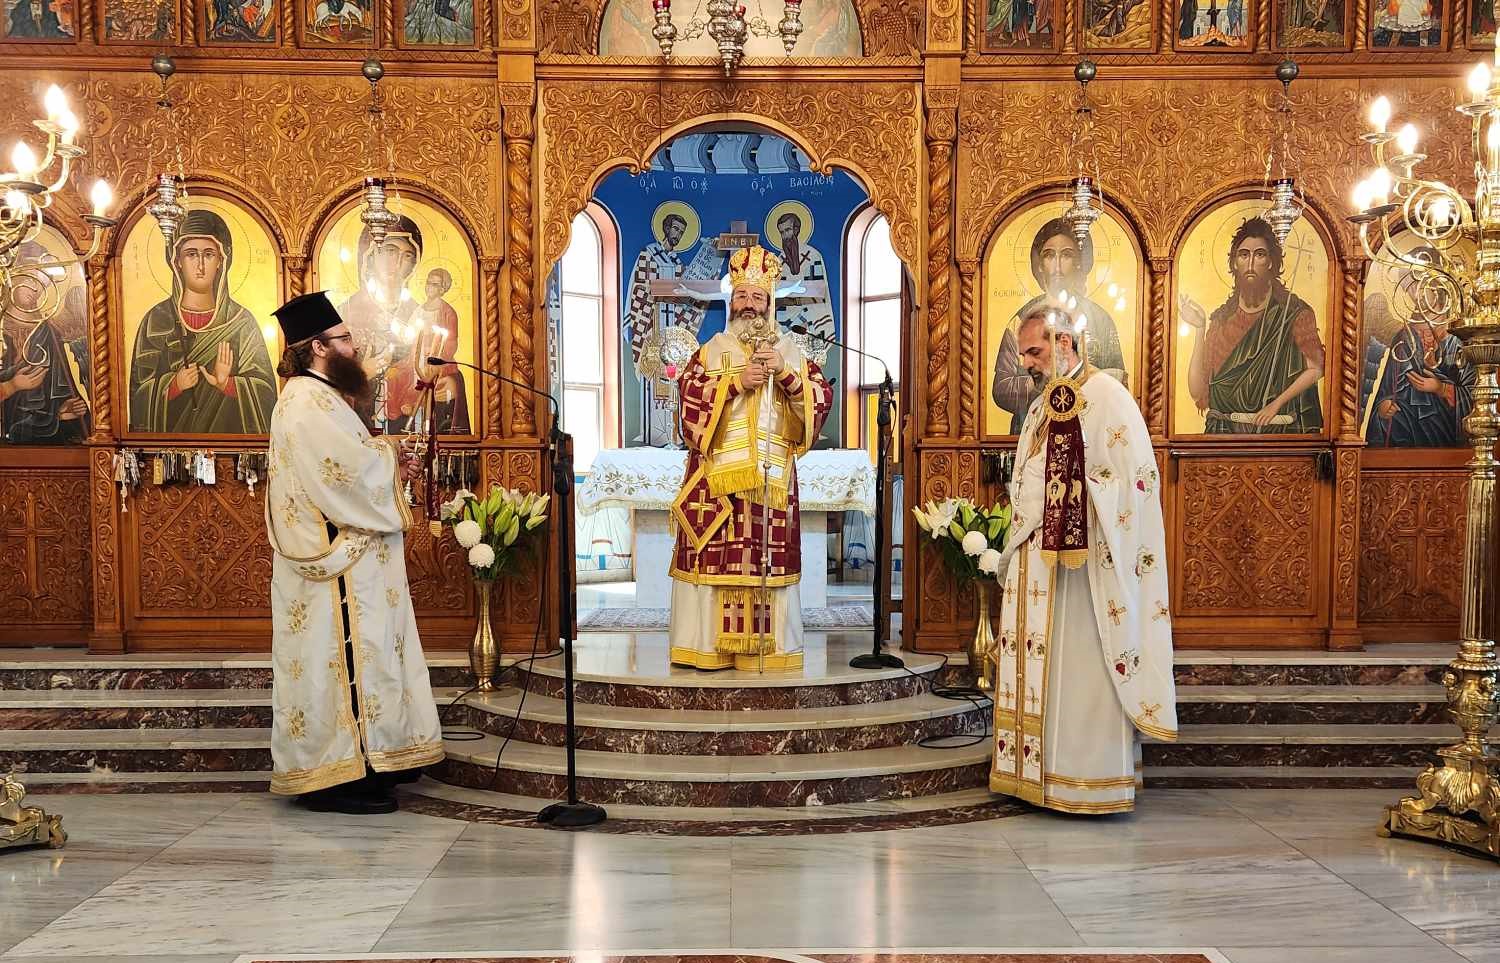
(1065, 516)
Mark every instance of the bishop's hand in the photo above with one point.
(755, 374)
(771, 359)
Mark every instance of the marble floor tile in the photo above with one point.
(1457, 909)
(499, 851)
(127, 958)
(1237, 909)
(1435, 953)
(1486, 953)
(197, 917)
(939, 851)
(895, 910)
(267, 837)
(585, 912)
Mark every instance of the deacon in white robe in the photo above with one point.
(350, 688)
(1085, 637)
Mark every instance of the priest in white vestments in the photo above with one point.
(751, 403)
(1085, 641)
(352, 704)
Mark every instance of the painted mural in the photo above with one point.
(830, 29)
(44, 347)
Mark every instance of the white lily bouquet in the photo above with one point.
(970, 537)
(495, 528)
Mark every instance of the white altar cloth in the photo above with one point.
(646, 481)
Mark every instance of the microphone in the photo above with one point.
(440, 362)
(802, 329)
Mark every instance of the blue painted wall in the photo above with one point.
(731, 177)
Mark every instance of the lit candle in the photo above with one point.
(68, 121)
(1407, 139)
(1492, 141)
(102, 197)
(17, 203)
(1442, 211)
(23, 160)
(1363, 192)
(1380, 113)
(55, 101)
(1380, 186)
(1479, 80)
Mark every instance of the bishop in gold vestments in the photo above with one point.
(1085, 643)
(751, 403)
(350, 684)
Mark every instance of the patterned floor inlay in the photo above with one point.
(864, 823)
(1018, 955)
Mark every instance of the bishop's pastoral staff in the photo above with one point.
(352, 703)
(1085, 647)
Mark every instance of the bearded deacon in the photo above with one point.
(751, 403)
(353, 707)
(1085, 646)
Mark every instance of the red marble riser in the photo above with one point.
(633, 792)
(153, 717)
(85, 788)
(1041, 956)
(1332, 756)
(999, 808)
(1289, 782)
(1308, 674)
(222, 678)
(720, 698)
(1311, 713)
(660, 742)
(135, 760)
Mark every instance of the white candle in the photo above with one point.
(102, 197)
(55, 102)
(1479, 81)
(1380, 113)
(23, 160)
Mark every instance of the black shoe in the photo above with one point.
(347, 800)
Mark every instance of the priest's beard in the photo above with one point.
(348, 376)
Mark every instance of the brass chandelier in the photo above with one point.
(1456, 267)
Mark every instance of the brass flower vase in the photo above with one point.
(484, 655)
(982, 649)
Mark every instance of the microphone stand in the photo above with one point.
(877, 657)
(572, 813)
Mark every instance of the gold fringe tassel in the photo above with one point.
(744, 601)
(748, 482)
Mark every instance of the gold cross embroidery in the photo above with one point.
(1115, 611)
(1161, 613)
(1124, 519)
(1148, 712)
(701, 508)
(1116, 436)
(1010, 591)
(1031, 699)
(1036, 592)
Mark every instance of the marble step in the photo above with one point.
(1284, 777)
(812, 779)
(135, 750)
(42, 669)
(138, 782)
(135, 709)
(1312, 705)
(1301, 745)
(683, 732)
(663, 687)
(1390, 663)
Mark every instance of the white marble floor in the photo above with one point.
(1266, 876)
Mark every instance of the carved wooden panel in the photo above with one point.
(44, 541)
(202, 549)
(1411, 545)
(1248, 536)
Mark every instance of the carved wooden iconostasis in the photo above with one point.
(1342, 527)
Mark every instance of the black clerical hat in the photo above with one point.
(306, 316)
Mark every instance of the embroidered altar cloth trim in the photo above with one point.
(828, 480)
